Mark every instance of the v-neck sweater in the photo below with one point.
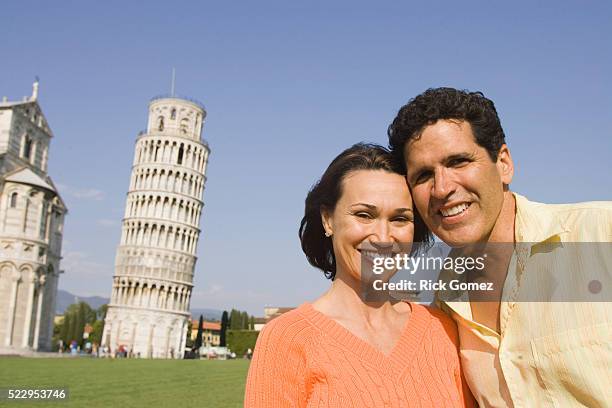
(303, 358)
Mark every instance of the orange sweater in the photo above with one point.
(305, 359)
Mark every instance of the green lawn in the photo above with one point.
(130, 383)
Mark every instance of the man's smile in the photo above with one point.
(453, 213)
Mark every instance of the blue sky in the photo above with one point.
(287, 87)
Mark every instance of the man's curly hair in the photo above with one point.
(447, 103)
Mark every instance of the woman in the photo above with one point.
(342, 351)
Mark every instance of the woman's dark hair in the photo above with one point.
(447, 103)
(326, 193)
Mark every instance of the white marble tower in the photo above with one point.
(31, 223)
(149, 306)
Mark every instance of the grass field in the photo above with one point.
(129, 383)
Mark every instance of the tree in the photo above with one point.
(56, 336)
(63, 330)
(76, 317)
(101, 312)
(235, 320)
(96, 334)
(80, 321)
(198, 340)
(77, 327)
(244, 321)
(70, 322)
(222, 341)
(252, 323)
(98, 324)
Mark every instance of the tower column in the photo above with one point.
(171, 302)
(138, 295)
(167, 347)
(181, 345)
(131, 293)
(148, 304)
(117, 334)
(28, 318)
(52, 281)
(41, 293)
(15, 278)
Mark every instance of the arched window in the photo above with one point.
(27, 147)
(13, 200)
(173, 113)
(43, 219)
(184, 125)
(180, 155)
(160, 123)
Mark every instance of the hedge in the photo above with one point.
(240, 340)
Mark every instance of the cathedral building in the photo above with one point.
(31, 227)
(148, 312)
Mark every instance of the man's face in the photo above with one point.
(456, 187)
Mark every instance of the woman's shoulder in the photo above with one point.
(289, 327)
(441, 324)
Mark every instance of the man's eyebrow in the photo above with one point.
(458, 156)
(416, 170)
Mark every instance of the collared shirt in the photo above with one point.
(548, 353)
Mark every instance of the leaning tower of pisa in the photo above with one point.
(149, 306)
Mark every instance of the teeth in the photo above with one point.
(454, 210)
(374, 254)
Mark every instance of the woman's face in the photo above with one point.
(372, 217)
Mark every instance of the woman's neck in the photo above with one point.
(343, 301)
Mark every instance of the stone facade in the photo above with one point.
(31, 227)
(149, 308)
(211, 333)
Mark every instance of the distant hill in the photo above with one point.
(209, 314)
(65, 299)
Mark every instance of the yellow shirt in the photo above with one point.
(548, 354)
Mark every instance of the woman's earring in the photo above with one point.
(328, 234)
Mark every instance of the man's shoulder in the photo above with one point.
(586, 214)
(584, 207)
(581, 207)
(585, 221)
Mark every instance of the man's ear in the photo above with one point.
(505, 165)
(326, 221)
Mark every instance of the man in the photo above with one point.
(519, 348)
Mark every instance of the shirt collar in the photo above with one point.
(536, 222)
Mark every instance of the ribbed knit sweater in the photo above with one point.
(306, 359)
